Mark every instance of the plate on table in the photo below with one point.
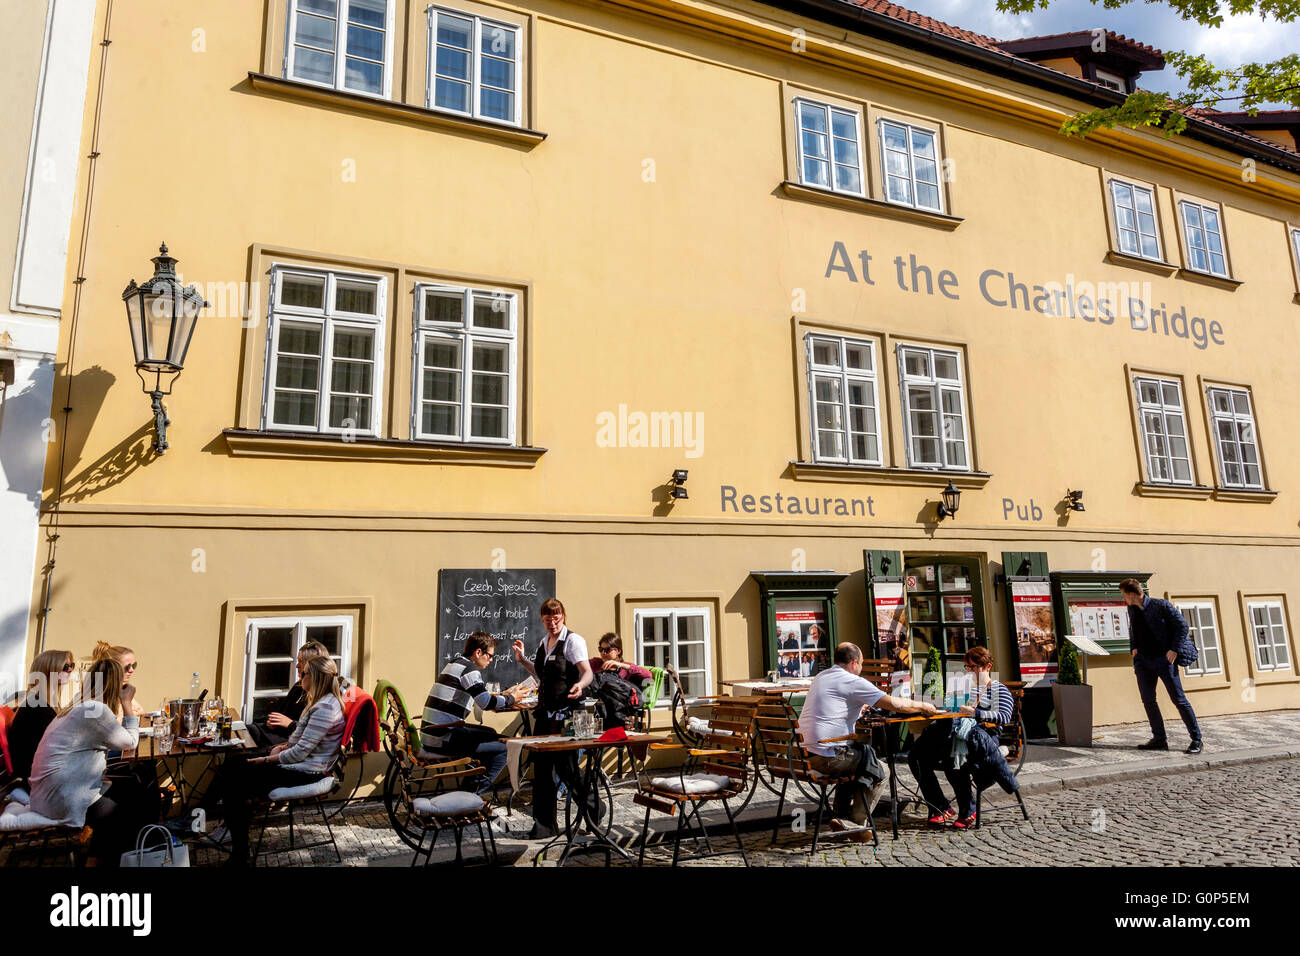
(223, 744)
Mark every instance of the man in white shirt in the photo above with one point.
(835, 701)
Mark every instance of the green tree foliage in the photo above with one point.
(1242, 88)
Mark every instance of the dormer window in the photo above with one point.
(1112, 81)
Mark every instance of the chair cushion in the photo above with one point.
(695, 783)
(18, 817)
(19, 795)
(320, 787)
(448, 804)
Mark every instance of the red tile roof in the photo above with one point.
(896, 12)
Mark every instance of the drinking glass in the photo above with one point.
(163, 741)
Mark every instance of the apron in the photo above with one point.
(555, 675)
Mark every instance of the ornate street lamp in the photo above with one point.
(951, 501)
(161, 315)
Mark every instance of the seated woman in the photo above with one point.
(460, 686)
(279, 724)
(136, 782)
(68, 769)
(50, 673)
(309, 755)
(126, 657)
(993, 704)
(611, 661)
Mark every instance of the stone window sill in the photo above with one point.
(1137, 262)
(1239, 494)
(871, 207)
(1149, 490)
(920, 477)
(392, 109)
(251, 443)
(1206, 279)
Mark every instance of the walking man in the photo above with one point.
(1156, 632)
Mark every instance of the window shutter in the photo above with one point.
(881, 567)
(1020, 565)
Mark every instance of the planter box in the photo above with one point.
(1073, 714)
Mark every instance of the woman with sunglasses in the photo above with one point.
(611, 661)
(68, 769)
(126, 657)
(50, 673)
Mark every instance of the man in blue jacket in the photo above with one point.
(1156, 632)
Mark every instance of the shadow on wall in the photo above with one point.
(25, 433)
(89, 386)
(113, 466)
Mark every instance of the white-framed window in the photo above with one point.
(271, 654)
(1204, 234)
(1232, 421)
(844, 398)
(473, 66)
(1295, 247)
(830, 147)
(1135, 219)
(1164, 430)
(1112, 81)
(465, 364)
(934, 408)
(909, 156)
(343, 44)
(679, 636)
(1268, 634)
(325, 348)
(1203, 629)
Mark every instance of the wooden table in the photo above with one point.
(764, 687)
(147, 750)
(586, 782)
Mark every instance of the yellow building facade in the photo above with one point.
(481, 277)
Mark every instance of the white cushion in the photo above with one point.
(695, 783)
(19, 795)
(316, 788)
(18, 817)
(448, 804)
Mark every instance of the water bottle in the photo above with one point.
(194, 686)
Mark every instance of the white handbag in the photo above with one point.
(168, 854)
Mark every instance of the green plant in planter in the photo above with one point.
(932, 686)
(1067, 672)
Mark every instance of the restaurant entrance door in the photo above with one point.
(945, 597)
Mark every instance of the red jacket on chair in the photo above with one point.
(361, 722)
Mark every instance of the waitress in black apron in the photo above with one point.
(561, 668)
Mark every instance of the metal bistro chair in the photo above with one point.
(780, 749)
(436, 803)
(650, 700)
(401, 741)
(1010, 735)
(21, 827)
(312, 794)
(717, 770)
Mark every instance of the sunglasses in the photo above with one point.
(606, 650)
(130, 667)
(69, 668)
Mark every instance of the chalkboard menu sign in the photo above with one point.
(502, 603)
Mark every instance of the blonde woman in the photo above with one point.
(309, 755)
(124, 656)
(46, 683)
(68, 769)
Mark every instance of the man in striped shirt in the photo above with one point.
(459, 687)
(993, 704)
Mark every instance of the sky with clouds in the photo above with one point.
(1241, 38)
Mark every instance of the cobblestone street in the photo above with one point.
(1245, 816)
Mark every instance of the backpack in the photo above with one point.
(1186, 648)
(620, 698)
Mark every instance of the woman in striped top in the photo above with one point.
(309, 755)
(993, 704)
